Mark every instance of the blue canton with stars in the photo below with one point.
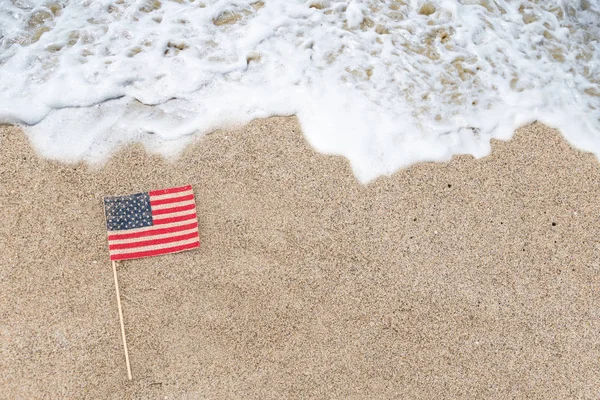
(128, 212)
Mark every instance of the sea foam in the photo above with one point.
(383, 83)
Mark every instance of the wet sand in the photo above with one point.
(473, 279)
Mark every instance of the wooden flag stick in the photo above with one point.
(114, 265)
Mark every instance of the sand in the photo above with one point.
(474, 279)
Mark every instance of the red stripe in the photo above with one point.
(150, 253)
(173, 219)
(172, 200)
(152, 232)
(152, 242)
(170, 190)
(173, 209)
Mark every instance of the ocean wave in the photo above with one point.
(383, 83)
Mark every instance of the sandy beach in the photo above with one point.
(473, 279)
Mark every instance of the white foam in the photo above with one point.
(383, 83)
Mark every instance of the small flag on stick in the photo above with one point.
(149, 224)
(152, 223)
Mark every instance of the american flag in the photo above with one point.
(151, 223)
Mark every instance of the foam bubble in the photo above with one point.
(383, 83)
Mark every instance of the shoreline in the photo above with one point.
(465, 279)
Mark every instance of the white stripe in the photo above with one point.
(152, 237)
(154, 247)
(175, 214)
(169, 205)
(150, 228)
(170, 195)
